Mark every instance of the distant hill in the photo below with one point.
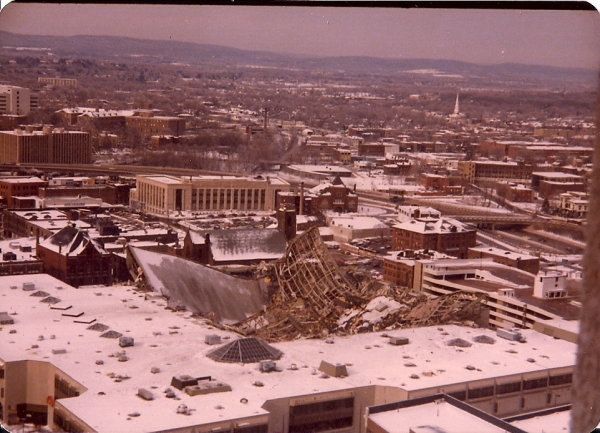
(167, 51)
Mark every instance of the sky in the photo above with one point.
(566, 38)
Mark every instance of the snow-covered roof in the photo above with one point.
(175, 344)
(247, 244)
(357, 222)
(504, 253)
(71, 241)
(442, 225)
(201, 289)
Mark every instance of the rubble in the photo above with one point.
(312, 299)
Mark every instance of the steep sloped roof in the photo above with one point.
(201, 289)
(245, 350)
(72, 241)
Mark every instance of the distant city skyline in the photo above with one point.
(565, 38)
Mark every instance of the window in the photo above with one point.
(561, 379)
(507, 388)
(485, 391)
(535, 383)
(322, 416)
(459, 395)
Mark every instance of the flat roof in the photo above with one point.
(174, 343)
(555, 174)
(438, 416)
(503, 253)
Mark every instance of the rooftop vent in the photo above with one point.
(50, 300)
(509, 334)
(5, 318)
(212, 339)
(398, 341)
(98, 327)
(484, 339)
(145, 394)
(267, 366)
(334, 370)
(182, 381)
(458, 342)
(125, 341)
(40, 294)
(209, 387)
(111, 334)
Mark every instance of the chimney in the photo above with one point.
(301, 199)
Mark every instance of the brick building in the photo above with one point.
(446, 236)
(148, 124)
(72, 256)
(49, 146)
(334, 196)
(11, 187)
(474, 171)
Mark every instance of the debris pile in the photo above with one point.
(313, 299)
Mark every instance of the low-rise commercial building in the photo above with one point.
(66, 363)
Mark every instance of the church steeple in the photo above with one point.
(456, 110)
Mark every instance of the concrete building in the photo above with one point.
(550, 285)
(524, 262)
(160, 195)
(49, 146)
(512, 301)
(345, 228)
(69, 368)
(435, 413)
(574, 204)
(16, 100)
(57, 81)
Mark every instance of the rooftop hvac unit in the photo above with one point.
(212, 339)
(182, 381)
(333, 370)
(398, 341)
(125, 341)
(266, 366)
(509, 334)
(28, 286)
(5, 319)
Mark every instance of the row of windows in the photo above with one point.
(63, 389)
(512, 387)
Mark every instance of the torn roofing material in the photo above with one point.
(201, 289)
(245, 350)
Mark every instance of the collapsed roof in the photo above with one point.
(314, 299)
(201, 289)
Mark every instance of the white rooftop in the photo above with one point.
(174, 342)
(435, 417)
